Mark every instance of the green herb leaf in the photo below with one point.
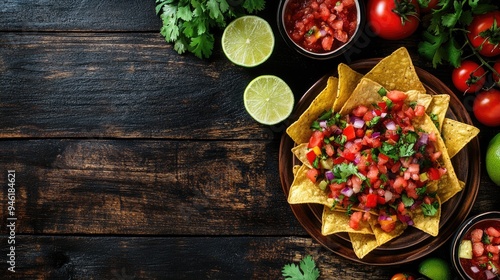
(306, 270)
(430, 209)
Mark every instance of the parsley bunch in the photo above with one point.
(189, 24)
(306, 270)
(442, 39)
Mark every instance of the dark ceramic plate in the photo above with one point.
(413, 244)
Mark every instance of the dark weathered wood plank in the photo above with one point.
(76, 257)
(118, 85)
(46, 15)
(146, 187)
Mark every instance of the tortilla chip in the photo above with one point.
(348, 80)
(427, 224)
(362, 244)
(384, 237)
(456, 135)
(396, 71)
(335, 221)
(300, 151)
(448, 184)
(303, 190)
(365, 93)
(299, 130)
(438, 107)
(420, 97)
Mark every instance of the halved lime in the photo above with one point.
(248, 41)
(268, 99)
(435, 269)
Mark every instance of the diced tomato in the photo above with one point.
(371, 200)
(311, 156)
(316, 139)
(382, 159)
(419, 110)
(388, 224)
(349, 132)
(312, 174)
(372, 174)
(360, 111)
(368, 116)
(399, 184)
(329, 150)
(433, 173)
(348, 155)
(392, 135)
(396, 95)
(409, 112)
(338, 160)
(382, 105)
(360, 133)
(355, 219)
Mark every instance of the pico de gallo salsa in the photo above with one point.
(374, 160)
(479, 251)
(320, 26)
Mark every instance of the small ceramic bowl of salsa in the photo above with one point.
(475, 247)
(321, 29)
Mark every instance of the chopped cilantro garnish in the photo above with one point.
(430, 209)
(373, 122)
(407, 201)
(343, 171)
(306, 270)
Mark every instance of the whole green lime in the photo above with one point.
(435, 269)
(493, 159)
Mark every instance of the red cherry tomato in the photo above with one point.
(393, 19)
(426, 6)
(486, 107)
(468, 77)
(484, 34)
(402, 276)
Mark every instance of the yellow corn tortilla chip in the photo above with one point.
(300, 151)
(348, 80)
(362, 244)
(365, 93)
(438, 107)
(427, 224)
(303, 190)
(396, 71)
(299, 130)
(457, 134)
(335, 221)
(420, 97)
(448, 184)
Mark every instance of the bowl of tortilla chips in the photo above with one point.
(359, 84)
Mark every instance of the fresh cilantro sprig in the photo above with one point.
(189, 24)
(442, 40)
(306, 270)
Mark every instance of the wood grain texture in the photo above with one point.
(147, 187)
(118, 258)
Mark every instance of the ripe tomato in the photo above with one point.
(393, 19)
(486, 107)
(484, 34)
(469, 77)
(402, 276)
(426, 6)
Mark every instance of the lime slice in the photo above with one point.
(248, 41)
(268, 99)
(435, 269)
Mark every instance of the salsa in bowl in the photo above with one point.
(320, 29)
(476, 246)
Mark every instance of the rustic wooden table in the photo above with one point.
(134, 162)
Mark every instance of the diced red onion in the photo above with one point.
(390, 125)
(358, 123)
(347, 191)
(322, 124)
(383, 115)
(336, 130)
(489, 275)
(348, 145)
(376, 134)
(357, 159)
(384, 218)
(387, 196)
(474, 269)
(329, 175)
